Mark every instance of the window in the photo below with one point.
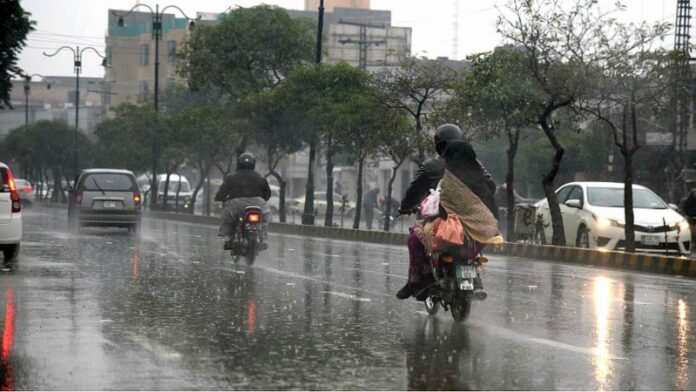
(576, 194)
(171, 51)
(108, 182)
(144, 54)
(614, 197)
(143, 90)
(562, 195)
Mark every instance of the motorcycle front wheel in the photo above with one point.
(461, 307)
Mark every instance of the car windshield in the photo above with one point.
(614, 197)
(22, 183)
(173, 186)
(108, 182)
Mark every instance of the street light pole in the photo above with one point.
(27, 89)
(157, 16)
(77, 63)
(308, 213)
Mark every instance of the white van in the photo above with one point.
(179, 194)
(10, 215)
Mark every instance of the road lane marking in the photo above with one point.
(158, 349)
(348, 296)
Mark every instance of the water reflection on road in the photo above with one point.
(171, 311)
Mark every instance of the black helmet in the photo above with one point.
(446, 133)
(246, 161)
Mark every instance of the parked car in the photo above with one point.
(179, 193)
(593, 217)
(297, 205)
(274, 202)
(26, 191)
(105, 197)
(10, 215)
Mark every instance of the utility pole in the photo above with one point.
(455, 32)
(27, 90)
(77, 63)
(157, 16)
(363, 43)
(681, 93)
(308, 213)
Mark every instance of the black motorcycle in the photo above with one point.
(457, 283)
(249, 236)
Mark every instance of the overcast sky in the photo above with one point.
(84, 22)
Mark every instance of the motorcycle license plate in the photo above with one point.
(466, 272)
(650, 240)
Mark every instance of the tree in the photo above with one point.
(631, 82)
(322, 101)
(496, 97)
(415, 88)
(139, 137)
(14, 28)
(47, 147)
(558, 40)
(396, 140)
(251, 49)
(268, 114)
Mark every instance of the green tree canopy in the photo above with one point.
(14, 27)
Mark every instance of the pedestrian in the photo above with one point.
(369, 203)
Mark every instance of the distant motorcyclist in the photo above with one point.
(427, 177)
(242, 189)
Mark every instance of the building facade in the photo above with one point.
(53, 98)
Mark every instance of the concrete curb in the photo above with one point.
(640, 262)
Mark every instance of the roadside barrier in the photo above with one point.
(641, 262)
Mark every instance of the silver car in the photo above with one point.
(105, 197)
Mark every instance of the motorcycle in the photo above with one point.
(248, 236)
(457, 282)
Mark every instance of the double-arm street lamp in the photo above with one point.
(77, 59)
(157, 16)
(27, 90)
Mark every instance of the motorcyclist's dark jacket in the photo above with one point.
(427, 177)
(460, 160)
(244, 183)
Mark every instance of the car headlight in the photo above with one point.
(604, 222)
(682, 225)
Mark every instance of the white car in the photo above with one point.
(593, 217)
(179, 193)
(10, 215)
(26, 191)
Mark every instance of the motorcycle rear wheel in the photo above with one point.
(431, 306)
(251, 252)
(461, 307)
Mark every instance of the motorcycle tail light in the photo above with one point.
(447, 259)
(253, 217)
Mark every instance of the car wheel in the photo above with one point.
(10, 252)
(583, 240)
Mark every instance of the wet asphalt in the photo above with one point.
(105, 309)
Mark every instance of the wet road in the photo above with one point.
(103, 310)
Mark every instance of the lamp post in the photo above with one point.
(156, 32)
(27, 90)
(308, 213)
(77, 62)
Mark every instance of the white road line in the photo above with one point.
(154, 347)
(348, 296)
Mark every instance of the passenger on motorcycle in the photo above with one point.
(244, 188)
(427, 177)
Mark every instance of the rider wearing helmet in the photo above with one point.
(242, 189)
(427, 177)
